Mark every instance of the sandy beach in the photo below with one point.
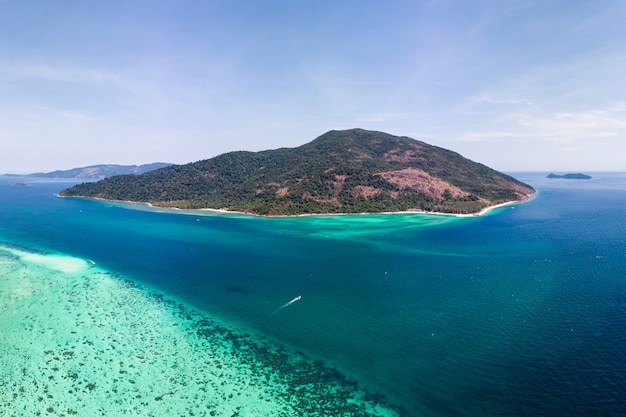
(242, 213)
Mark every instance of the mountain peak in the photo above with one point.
(341, 171)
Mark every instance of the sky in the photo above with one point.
(518, 85)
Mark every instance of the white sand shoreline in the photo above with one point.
(243, 213)
(435, 213)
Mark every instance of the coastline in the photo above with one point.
(482, 212)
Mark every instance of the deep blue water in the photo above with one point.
(519, 312)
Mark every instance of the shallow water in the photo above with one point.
(78, 341)
(519, 312)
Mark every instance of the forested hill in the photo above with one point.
(349, 171)
(100, 171)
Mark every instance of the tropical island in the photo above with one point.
(570, 176)
(95, 172)
(347, 171)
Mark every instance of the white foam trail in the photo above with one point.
(298, 298)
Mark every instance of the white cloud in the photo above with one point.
(489, 98)
(573, 126)
(28, 71)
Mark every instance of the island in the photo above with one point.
(342, 171)
(95, 172)
(571, 176)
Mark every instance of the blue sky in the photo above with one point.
(516, 85)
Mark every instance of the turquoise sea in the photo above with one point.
(111, 309)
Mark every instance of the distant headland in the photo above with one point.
(347, 171)
(96, 172)
(571, 176)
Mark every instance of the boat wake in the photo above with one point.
(298, 298)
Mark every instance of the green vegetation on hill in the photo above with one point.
(351, 171)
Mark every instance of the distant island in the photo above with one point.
(96, 172)
(571, 176)
(348, 171)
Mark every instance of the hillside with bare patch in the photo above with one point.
(348, 171)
